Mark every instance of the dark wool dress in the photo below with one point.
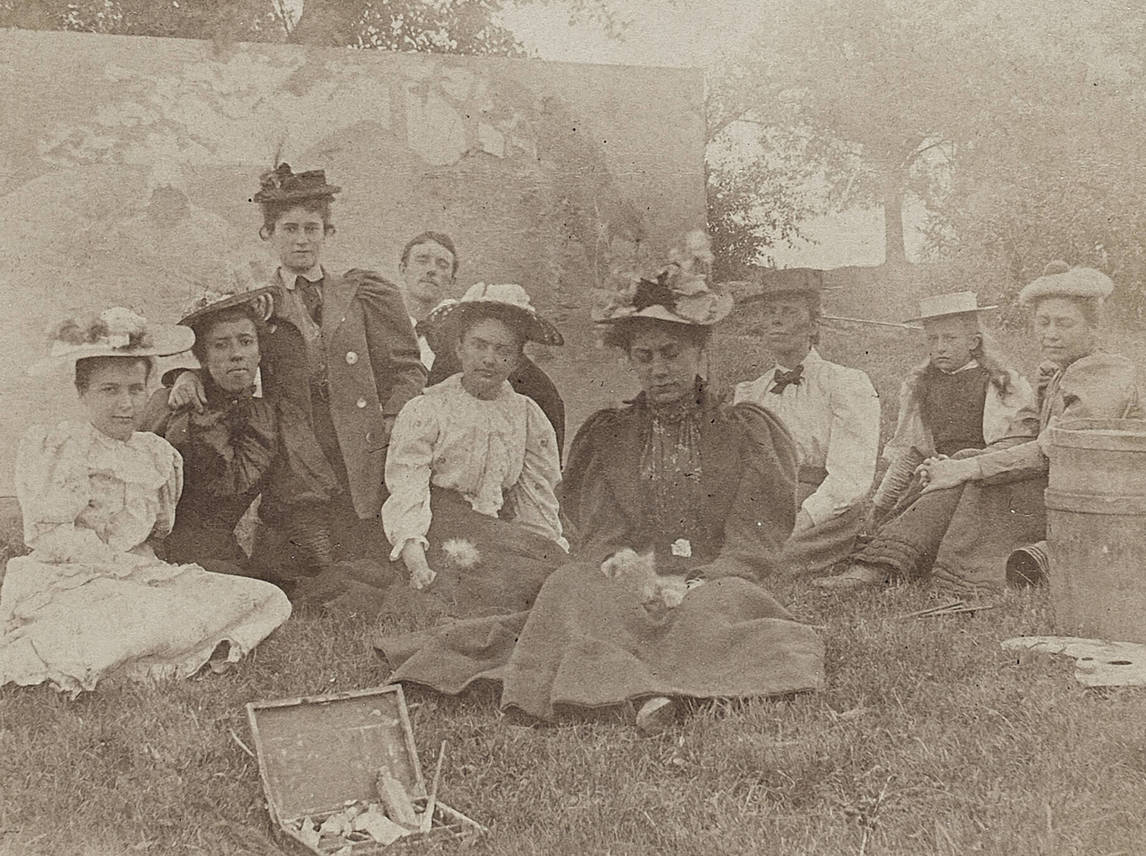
(588, 641)
(239, 448)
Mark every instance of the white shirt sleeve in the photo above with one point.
(534, 495)
(852, 446)
(406, 512)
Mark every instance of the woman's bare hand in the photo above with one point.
(187, 392)
(414, 558)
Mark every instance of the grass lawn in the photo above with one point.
(928, 739)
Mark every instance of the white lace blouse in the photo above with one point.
(493, 452)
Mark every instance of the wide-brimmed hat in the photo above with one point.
(1061, 280)
(508, 301)
(678, 293)
(115, 332)
(942, 305)
(210, 302)
(282, 185)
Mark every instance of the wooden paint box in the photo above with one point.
(319, 754)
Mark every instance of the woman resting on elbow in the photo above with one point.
(472, 465)
(92, 600)
(680, 504)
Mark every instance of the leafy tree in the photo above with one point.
(890, 98)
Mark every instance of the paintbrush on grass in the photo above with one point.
(432, 800)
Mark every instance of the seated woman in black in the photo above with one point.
(240, 447)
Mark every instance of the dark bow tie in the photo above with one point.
(783, 380)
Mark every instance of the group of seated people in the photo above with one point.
(408, 438)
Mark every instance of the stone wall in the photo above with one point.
(127, 164)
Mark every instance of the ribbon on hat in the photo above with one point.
(654, 293)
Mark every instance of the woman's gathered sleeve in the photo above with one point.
(390, 339)
(852, 447)
(597, 522)
(763, 509)
(167, 457)
(406, 512)
(534, 498)
(910, 432)
(1010, 415)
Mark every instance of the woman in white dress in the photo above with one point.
(472, 465)
(92, 600)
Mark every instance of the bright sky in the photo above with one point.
(693, 33)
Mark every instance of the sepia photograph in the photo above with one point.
(565, 427)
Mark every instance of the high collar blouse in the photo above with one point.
(491, 451)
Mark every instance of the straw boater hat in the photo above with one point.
(942, 305)
(1061, 280)
(115, 332)
(210, 302)
(678, 292)
(508, 301)
(282, 185)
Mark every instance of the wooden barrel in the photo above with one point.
(1096, 528)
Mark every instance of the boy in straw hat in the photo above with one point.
(833, 414)
(975, 510)
(361, 356)
(959, 400)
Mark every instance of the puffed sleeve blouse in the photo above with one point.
(494, 452)
(86, 496)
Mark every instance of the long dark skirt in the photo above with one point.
(485, 566)
(588, 642)
(960, 537)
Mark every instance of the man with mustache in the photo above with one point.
(428, 270)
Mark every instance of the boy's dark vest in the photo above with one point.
(952, 408)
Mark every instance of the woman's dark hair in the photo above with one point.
(202, 327)
(272, 211)
(620, 334)
(476, 313)
(87, 365)
(438, 238)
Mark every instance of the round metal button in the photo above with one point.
(351, 358)
(360, 402)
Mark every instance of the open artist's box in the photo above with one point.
(328, 764)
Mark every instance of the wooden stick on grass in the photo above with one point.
(432, 799)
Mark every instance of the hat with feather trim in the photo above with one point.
(210, 302)
(678, 292)
(115, 332)
(282, 185)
